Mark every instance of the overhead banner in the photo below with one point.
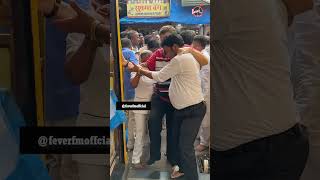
(148, 8)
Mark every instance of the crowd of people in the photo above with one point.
(171, 70)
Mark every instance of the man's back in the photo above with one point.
(252, 90)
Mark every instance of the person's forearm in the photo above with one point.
(135, 81)
(78, 66)
(202, 60)
(146, 73)
(124, 62)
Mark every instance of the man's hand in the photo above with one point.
(202, 60)
(79, 24)
(184, 50)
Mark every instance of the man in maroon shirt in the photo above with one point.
(160, 102)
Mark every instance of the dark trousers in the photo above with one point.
(186, 125)
(159, 108)
(277, 157)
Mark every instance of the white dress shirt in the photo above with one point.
(185, 88)
(143, 91)
(253, 95)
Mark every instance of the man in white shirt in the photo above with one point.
(255, 130)
(143, 92)
(306, 81)
(186, 96)
(200, 43)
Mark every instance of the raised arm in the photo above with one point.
(202, 59)
(84, 23)
(167, 72)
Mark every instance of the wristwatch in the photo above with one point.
(139, 71)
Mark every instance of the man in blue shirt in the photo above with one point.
(129, 55)
(129, 91)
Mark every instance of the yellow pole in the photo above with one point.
(121, 77)
(37, 62)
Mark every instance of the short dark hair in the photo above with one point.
(130, 33)
(172, 40)
(188, 36)
(153, 44)
(147, 38)
(126, 43)
(202, 40)
(165, 29)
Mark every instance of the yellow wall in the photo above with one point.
(5, 72)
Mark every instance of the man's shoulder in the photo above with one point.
(127, 51)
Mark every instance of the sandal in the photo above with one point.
(176, 173)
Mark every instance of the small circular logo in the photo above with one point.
(197, 11)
